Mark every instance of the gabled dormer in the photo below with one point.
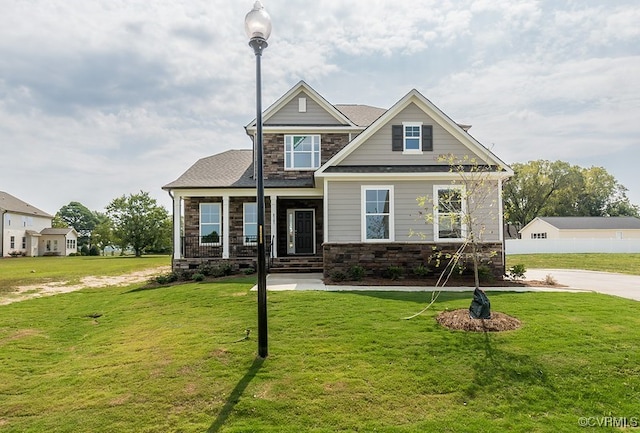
(302, 131)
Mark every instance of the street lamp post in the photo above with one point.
(257, 24)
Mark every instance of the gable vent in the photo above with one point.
(302, 105)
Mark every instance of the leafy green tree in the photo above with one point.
(544, 188)
(79, 217)
(529, 190)
(102, 235)
(137, 220)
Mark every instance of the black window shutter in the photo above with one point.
(427, 138)
(397, 135)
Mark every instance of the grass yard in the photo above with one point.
(36, 270)
(166, 360)
(621, 263)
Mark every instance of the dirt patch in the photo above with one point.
(461, 321)
(55, 288)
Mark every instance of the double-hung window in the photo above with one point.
(449, 212)
(210, 226)
(301, 152)
(412, 137)
(250, 224)
(377, 213)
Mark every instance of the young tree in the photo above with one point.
(463, 212)
(137, 221)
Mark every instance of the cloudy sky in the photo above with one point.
(103, 98)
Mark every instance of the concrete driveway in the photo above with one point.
(625, 286)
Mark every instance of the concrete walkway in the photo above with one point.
(626, 286)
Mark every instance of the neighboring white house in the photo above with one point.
(577, 235)
(58, 242)
(20, 226)
(582, 228)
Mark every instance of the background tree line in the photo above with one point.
(545, 188)
(134, 222)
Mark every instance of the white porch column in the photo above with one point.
(225, 226)
(274, 224)
(177, 220)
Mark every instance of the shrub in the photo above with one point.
(248, 271)
(485, 274)
(167, 278)
(394, 272)
(197, 277)
(84, 250)
(421, 271)
(549, 280)
(221, 270)
(94, 250)
(516, 272)
(338, 276)
(356, 272)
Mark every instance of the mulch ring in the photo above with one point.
(461, 321)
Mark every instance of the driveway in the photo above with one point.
(626, 286)
(608, 283)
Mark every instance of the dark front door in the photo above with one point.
(304, 231)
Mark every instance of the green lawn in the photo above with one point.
(165, 360)
(622, 263)
(35, 270)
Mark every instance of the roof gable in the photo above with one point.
(14, 204)
(323, 110)
(432, 112)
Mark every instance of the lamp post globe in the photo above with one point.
(257, 25)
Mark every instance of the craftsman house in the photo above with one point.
(341, 188)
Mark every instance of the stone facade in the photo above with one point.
(376, 258)
(330, 144)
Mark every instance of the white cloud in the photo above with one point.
(103, 98)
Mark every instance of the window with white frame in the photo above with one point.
(377, 213)
(24, 242)
(12, 242)
(210, 225)
(301, 152)
(250, 224)
(412, 136)
(449, 209)
(539, 235)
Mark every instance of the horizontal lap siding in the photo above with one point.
(345, 213)
(377, 149)
(289, 114)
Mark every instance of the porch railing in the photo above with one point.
(203, 247)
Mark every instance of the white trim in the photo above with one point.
(363, 213)
(177, 222)
(463, 214)
(406, 151)
(325, 210)
(296, 90)
(302, 105)
(434, 113)
(274, 224)
(314, 163)
(244, 222)
(200, 223)
(225, 224)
